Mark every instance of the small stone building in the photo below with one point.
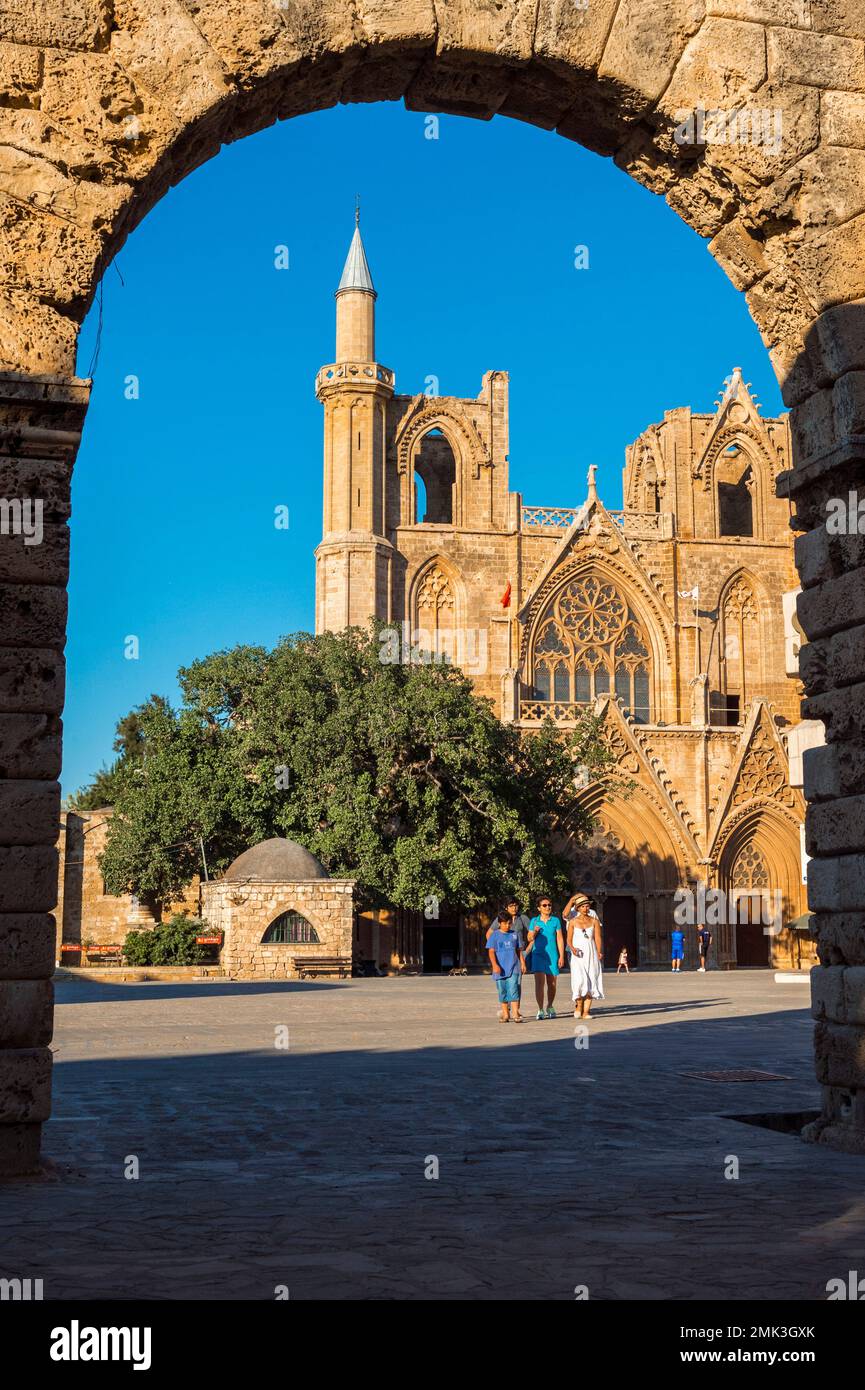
(275, 904)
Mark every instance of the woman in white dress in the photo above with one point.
(586, 947)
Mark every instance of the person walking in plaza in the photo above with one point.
(506, 959)
(519, 923)
(546, 955)
(623, 962)
(677, 942)
(587, 954)
(704, 939)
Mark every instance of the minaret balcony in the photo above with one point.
(351, 373)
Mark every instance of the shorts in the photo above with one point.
(508, 987)
(678, 953)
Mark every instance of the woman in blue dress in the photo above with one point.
(546, 955)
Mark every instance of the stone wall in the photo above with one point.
(85, 911)
(244, 911)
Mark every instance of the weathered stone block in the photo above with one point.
(841, 334)
(28, 878)
(836, 603)
(74, 24)
(827, 993)
(27, 946)
(567, 37)
(33, 615)
(29, 812)
(841, 937)
(854, 995)
(837, 827)
(46, 563)
(641, 55)
(25, 1085)
(843, 118)
(842, 711)
(822, 775)
(31, 679)
(819, 60)
(19, 1149)
(26, 1013)
(30, 746)
(840, 1054)
(837, 884)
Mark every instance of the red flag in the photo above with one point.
(506, 596)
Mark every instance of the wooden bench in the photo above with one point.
(322, 965)
(111, 953)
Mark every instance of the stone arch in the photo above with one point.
(122, 102)
(771, 833)
(148, 93)
(465, 445)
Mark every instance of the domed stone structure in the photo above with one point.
(275, 859)
(280, 913)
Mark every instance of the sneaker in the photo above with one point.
(701, 970)
(539, 1015)
(551, 1013)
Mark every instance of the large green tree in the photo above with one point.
(394, 774)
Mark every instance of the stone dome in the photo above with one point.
(275, 861)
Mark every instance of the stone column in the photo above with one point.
(828, 488)
(40, 427)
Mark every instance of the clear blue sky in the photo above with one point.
(471, 243)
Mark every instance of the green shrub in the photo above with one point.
(171, 943)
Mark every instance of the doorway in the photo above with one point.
(620, 929)
(752, 943)
(441, 947)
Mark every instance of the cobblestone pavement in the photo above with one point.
(304, 1166)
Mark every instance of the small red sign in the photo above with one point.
(209, 940)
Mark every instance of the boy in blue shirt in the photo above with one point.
(677, 939)
(506, 959)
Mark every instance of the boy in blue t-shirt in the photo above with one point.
(506, 959)
(677, 938)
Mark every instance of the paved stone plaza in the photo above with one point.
(305, 1167)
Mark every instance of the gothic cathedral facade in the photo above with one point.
(672, 619)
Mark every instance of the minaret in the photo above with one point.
(354, 560)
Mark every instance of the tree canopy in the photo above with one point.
(396, 775)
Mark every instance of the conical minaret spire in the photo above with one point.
(355, 305)
(356, 274)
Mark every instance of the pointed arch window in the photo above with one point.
(734, 479)
(738, 654)
(590, 644)
(435, 472)
(435, 614)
